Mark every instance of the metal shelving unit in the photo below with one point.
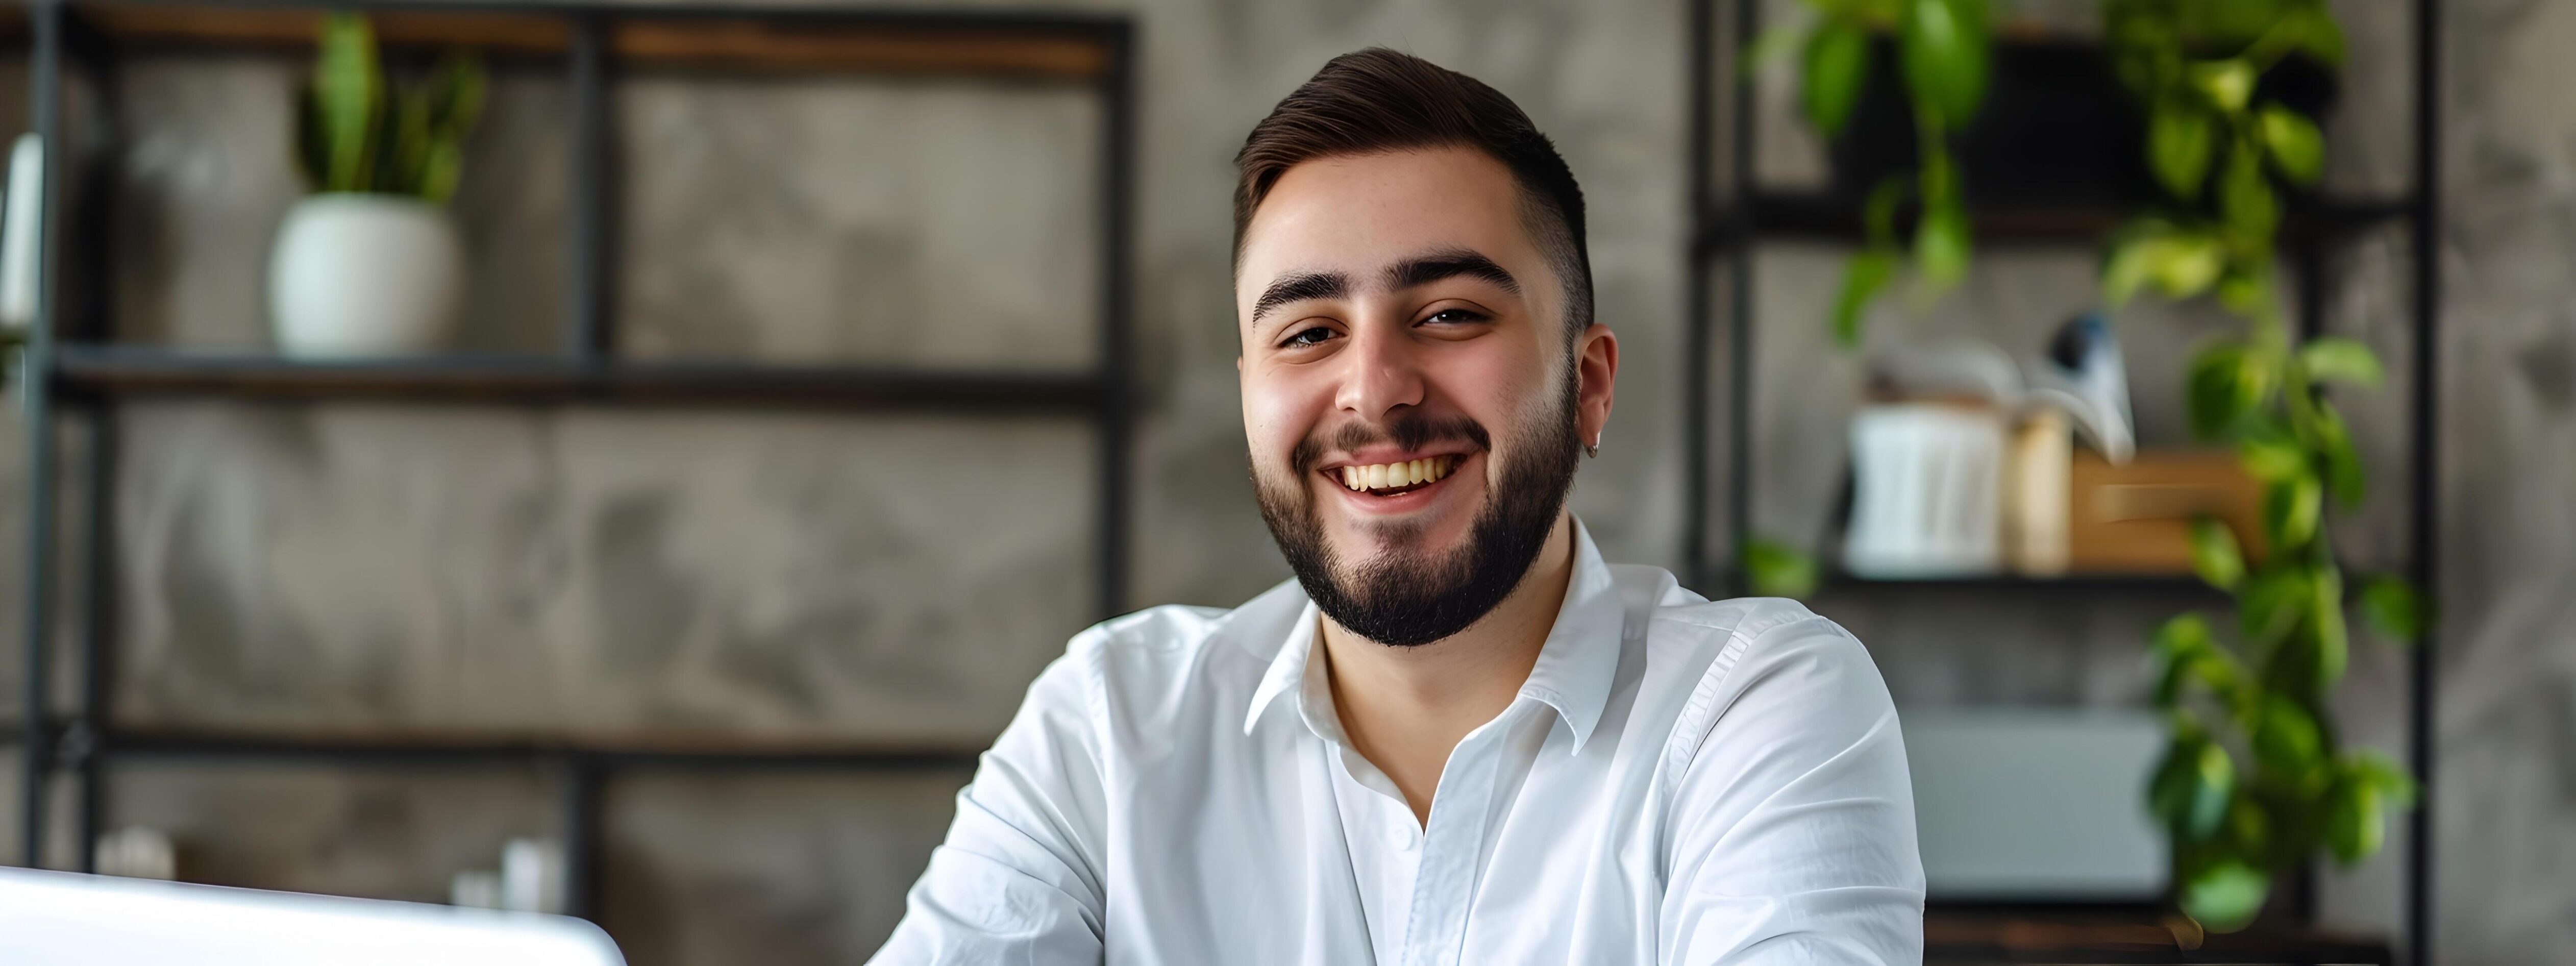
(76, 370)
(1728, 223)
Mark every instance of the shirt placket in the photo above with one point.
(1444, 881)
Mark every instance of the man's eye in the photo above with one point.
(1456, 316)
(1306, 337)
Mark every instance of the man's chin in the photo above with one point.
(1364, 545)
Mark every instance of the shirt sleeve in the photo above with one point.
(1018, 879)
(1791, 833)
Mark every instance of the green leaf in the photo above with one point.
(2334, 644)
(2343, 466)
(1775, 569)
(1878, 214)
(2320, 36)
(2290, 511)
(2128, 268)
(2178, 146)
(1834, 68)
(2293, 143)
(2268, 451)
(1943, 46)
(454, 96)
(2395, 608)
(2272, 602)
(2179, 647)
(2226, 382)
(2215, 555)
(409, 143)
(2336, 359)
(2286, 737)
(2188, 264)
(1863, 277)
(2231, 21)
(2243, 293)
(1774, 43)
(1941, 246)
(440, 170)
(2191, 787)
(2227, 83)
(2245, 198)
(2356, 821)
(2380, 772)
(2225, 896)
(348, 96)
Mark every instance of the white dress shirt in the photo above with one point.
(1678, 781)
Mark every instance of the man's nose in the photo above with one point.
(1384, 372)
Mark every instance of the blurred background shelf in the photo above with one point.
(1062, 46)
(470, 748)
(2130, 938)
(2160, 585)
(83, 372)
(95, 372)
(1817, 216)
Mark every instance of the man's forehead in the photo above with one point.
(1363, 215)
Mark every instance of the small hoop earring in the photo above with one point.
(1592, 450)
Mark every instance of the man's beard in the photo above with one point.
(1407, 596)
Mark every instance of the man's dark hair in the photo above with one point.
(1377, 100)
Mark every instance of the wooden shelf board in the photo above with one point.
(794, 39)
(1986, 938)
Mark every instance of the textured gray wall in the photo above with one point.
(804, 577)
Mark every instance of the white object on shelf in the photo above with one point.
(364, 275)
(19, 226)
(1927, 491)
(137, 852)
(532, 876)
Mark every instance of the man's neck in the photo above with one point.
(1405, 708)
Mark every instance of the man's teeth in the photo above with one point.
(1386, 476)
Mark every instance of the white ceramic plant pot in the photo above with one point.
(363, 275)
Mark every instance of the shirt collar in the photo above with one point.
(1573, 673)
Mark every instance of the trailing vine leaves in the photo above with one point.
(1944, 56)
(2253, 781)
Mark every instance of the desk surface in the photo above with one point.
(2115, 939)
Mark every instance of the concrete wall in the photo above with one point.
(354, 568)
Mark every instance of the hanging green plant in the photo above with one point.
(1944, 56)
(2254, 781)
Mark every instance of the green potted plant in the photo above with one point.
(2255, 781)
(370, 263)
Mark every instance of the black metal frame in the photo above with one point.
(1750, 215)
(92, 377)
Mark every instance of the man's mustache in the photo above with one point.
(1413, 430)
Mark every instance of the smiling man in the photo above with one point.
(1457, 736)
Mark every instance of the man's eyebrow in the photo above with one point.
(1426, 269)
(1299, 287)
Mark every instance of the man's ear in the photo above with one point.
(1596, 373)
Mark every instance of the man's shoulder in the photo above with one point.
(1671, 615)
(1153, 657)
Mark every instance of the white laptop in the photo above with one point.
(64, 918)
